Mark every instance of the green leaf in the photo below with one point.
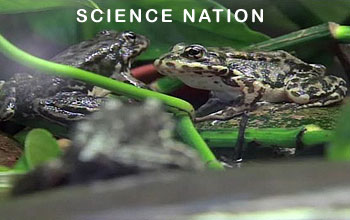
(339, 150)
(165, 35)
(19, 6)
(21, 165)
(61, 26)
(4, 168)
(91, 4)
(40, 147)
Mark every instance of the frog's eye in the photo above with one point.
(194, 51)
(129, 36)
(103, 33)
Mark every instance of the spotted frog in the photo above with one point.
(64, 100)
(238, 80)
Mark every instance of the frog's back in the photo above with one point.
(83, 55)
(86, 55)
(268, 73)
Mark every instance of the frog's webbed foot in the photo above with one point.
(7, 100)
(67, 107)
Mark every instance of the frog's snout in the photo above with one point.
(158, 64)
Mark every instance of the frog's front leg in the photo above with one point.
(315, 91)
(67, 107)
(250, 91)
(7, 100)
(218, 101)
(121, 74)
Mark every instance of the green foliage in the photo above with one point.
(4, 168)
(21, 165)
(39, 147)
(233, 34)
(60, 26)
(19, 6)
(339, 150)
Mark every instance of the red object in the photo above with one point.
(148, 73)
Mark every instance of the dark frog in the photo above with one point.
(64, 100)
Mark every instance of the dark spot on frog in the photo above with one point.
(259, 96)
(295, 94)
(170, 65)
(283, 54)
(249, 84)
(261, 59)
(295, 80)
(186, 68)
(341, 92)
(265, 72)
(160, 62)
(314, 91)
(275, 60)
(332, 78)
(198, 69)
(229, 81)
(324, 83)
(223, 71)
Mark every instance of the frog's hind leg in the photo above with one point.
(67, 107)
(7, 100)
(335, 97)
(316, 91)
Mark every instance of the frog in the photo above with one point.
(104, 147)
(239, 80)
(64, 100)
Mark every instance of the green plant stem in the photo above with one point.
(167, 85)
(323, 31)
(178, 106)
(287, 138)
(92, 4)
(342, 33)
(190, 135)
